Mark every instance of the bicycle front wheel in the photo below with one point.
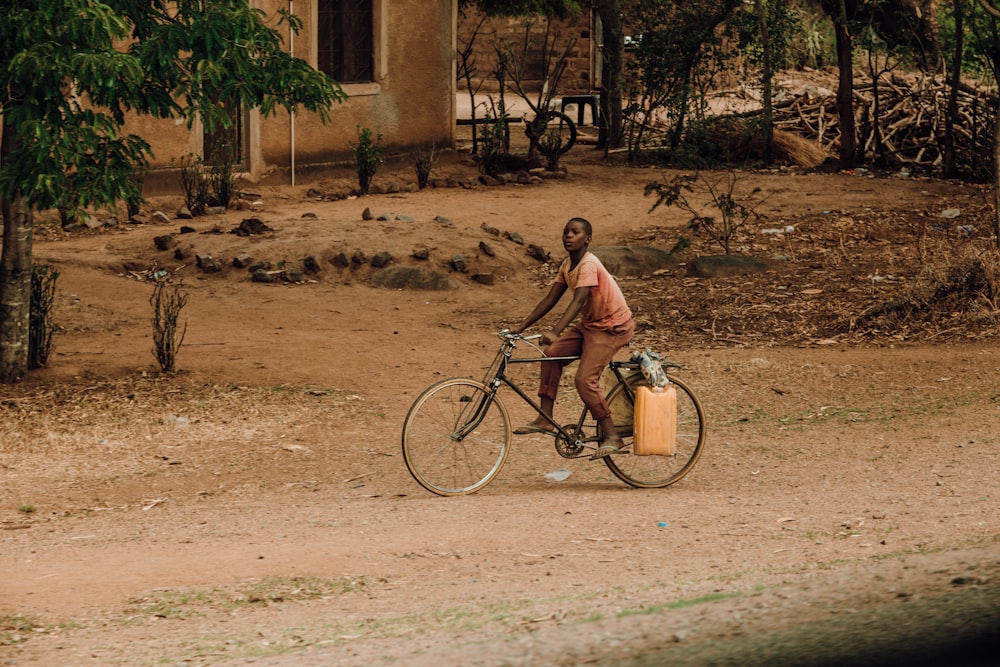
(656, 471)
(456, 437)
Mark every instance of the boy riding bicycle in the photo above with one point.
(605, 326)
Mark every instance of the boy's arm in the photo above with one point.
(580, 295)
(543, 307)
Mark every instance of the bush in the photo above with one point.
(167, 301)
(368, 154)
(423, 161)
(40, 327)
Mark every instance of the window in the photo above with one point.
(345, 44)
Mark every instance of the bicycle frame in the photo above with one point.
(499, 377)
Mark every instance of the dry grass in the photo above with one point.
(88, 417)
(869, 278)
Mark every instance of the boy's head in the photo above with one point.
(588, 229)
(576, 235)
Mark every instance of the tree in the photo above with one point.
(612, 73)
(994, 13)
(70, 71)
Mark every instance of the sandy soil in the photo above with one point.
(254, 507)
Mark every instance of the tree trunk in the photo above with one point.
(845, 90)
(767, 130)
(948, 166)
(996, 181)
(15, 289)
(15, 278)
(612, 73)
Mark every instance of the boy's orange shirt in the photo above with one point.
(605, 306)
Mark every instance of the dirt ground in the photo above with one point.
(254, 507)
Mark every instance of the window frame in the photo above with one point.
(373, 87)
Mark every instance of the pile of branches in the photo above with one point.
(905, 129)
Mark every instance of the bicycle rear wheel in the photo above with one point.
(456, 437)
(657, 471)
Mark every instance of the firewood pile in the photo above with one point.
(905, 114)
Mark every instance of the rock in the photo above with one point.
(215, 210)
(242, 260)
(483, 278)
(164, 242)
(421, 253)
(443, 220)
(310, 265)
(411, 277)
(405, 218)
(721, 266)
(487, 249)
(184, 213)
(486, 179)
(633, 261)
(340, 260)
(309, 216)
(367, 214)
(381, 259)
(183, 252)
(261, 266)
(359, 258)
(250, 227)
(208, 264)
(313, 192)
(515, 237)
(537, 252)
(187, 230)
(261, 276)
(490, 229)
(293, 276)
(159, 218)
(458, 263)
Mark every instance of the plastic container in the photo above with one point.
(655, 425)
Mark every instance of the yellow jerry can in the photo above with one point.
(655, 425)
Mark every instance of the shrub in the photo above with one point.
(167, 301)
(423, 161)
(40, 327)
(368, 154)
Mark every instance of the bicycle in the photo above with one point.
(555, 142)
(457, 434)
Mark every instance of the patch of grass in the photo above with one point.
(187, 603)
(15, 629)
(676, 604)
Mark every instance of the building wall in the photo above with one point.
(579, 76)
(411, 103)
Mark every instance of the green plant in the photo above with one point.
(40, 327)
(194, 182)
(167, 301)
(550, 146)
(368, 155)
(26, 508)
(423, 161)
(492, 137)
(734, 211)
(222, 175)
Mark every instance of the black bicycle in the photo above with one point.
(457, 433)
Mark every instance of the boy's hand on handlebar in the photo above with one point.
(549, 337)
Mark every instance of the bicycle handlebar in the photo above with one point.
(505, 334)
